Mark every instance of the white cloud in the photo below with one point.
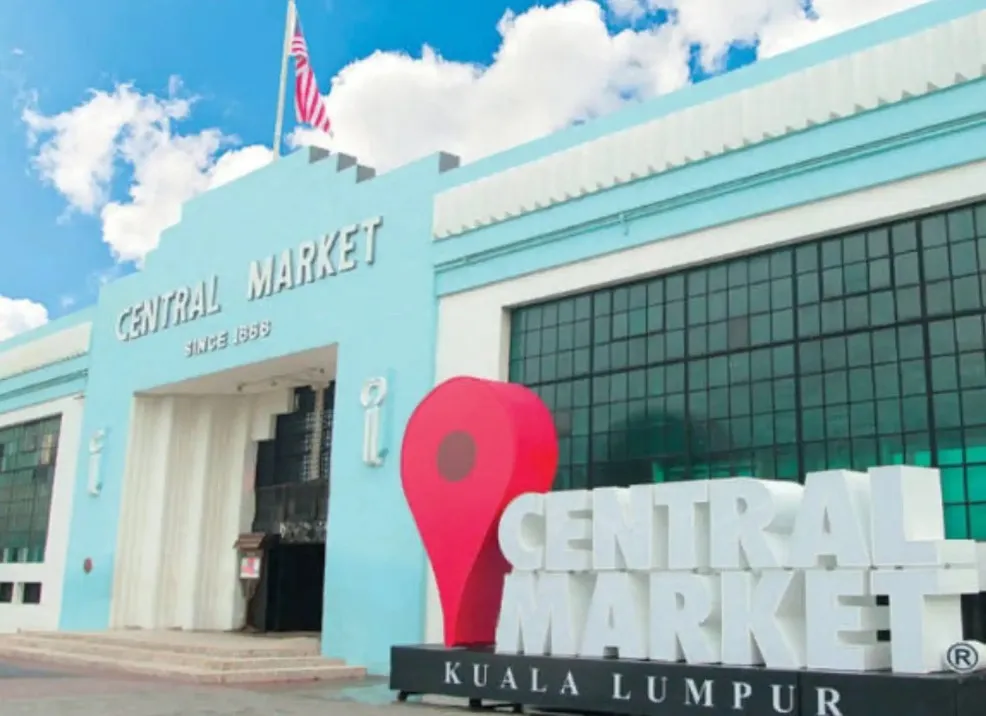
(631, 10)
(102, 276)
(237, 163)
(81, 145)
(81, 151)
(833, 17)
(779, 25)
(20, 314)
(554, 66)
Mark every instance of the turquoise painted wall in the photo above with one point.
(383, 318)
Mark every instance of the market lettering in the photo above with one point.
(335, 253)
(739, 572)
(173, 308)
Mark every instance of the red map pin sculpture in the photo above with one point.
(472, 446)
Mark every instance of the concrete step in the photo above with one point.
(189, 656)
(280, 676)
(216, 658)
(244, 672)
(178, 642)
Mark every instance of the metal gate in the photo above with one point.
(292, 477)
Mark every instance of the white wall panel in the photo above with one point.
(50, 573)
(62, 345)
(187, 495)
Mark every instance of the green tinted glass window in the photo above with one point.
(847, 351)
(27, 468)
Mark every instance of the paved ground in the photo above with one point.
(32, 690)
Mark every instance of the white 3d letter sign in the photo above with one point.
(740, 571)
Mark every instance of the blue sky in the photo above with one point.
(226, 54)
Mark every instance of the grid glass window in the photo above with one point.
(288, 487)
(27, 470)
(845, 352)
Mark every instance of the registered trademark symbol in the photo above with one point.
(962, 657)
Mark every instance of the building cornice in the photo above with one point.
(666, 204)
(47, 350)
(949, 54)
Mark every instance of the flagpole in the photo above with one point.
(289, 25)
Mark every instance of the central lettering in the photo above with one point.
(173, 308)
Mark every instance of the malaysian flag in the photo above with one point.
(309, 105)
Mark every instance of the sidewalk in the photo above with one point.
(34, 690)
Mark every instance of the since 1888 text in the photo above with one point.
(247, 333)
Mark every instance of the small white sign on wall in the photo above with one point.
(372, 398)
(94, 482)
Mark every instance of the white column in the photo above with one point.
(190, 559)
(148, 477)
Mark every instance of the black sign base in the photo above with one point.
(650, 688)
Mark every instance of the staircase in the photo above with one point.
(198, 657)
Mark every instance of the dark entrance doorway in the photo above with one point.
(292, 493)
(295, 581)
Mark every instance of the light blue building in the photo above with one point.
(775, 271)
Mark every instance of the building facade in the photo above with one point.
(773, 272)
